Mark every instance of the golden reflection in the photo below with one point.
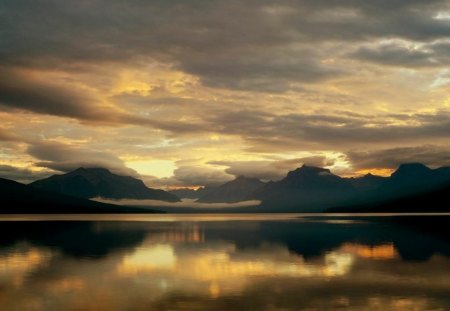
(400, 304)
(160, 256)
(377, 252)
(177, 276)
(214, 290)
(15, 265)
(223, 268)
(69, 284)
(192, 234)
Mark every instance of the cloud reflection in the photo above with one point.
(190, 265)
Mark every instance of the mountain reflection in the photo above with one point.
(239, 265)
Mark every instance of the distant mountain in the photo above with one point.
(239, 189)
(367, 182)
(306, 189)
(187, 193)
(99, 182)
(18, 198)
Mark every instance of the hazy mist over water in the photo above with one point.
(223, 262)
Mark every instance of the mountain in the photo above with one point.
(444, 172)
(367, 182)
(306, 189)
(187, 193)
(413, 175)
(412, 178)
(99, 182)
(239, 189)
(413, 187)
(17, 198)
(431, 201)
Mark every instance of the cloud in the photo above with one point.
(397, 55)
(256, 45)
(7, 136)
(191, 175)
(269, 170)
(63, 157)
(183, 203)
(409, 54)
(227, 81)
(23, 92)
(264, 131)
(23, 175)
(274, 70)
(431, 155)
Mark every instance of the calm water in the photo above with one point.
(223, 262)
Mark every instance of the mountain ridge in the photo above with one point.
(100, 182)
(18, 198)
(233, 191)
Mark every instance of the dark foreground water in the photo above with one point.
(222, 262)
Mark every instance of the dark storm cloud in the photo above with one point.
(61, 157)
(269, 70)
(251, 45)
(433, 156)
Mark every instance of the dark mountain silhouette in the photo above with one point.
(444, 172)
(367, 182)
(308, 189)
(99, 182)
(18, 198)
(409, 179)
(239, 189)
(413, 187)
(313, 189)
(412, 177)
(187, 193)
(430, 201)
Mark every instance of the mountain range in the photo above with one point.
(314, 189)
(412, 187)
(307, 188)
(310, 189)
(99, 182)
(18, 198)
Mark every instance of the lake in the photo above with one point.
(224, 262)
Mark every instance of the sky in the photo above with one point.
(188, 93)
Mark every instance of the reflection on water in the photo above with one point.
(375, 252)
(211, 263)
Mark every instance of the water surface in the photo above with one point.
(224, 262)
